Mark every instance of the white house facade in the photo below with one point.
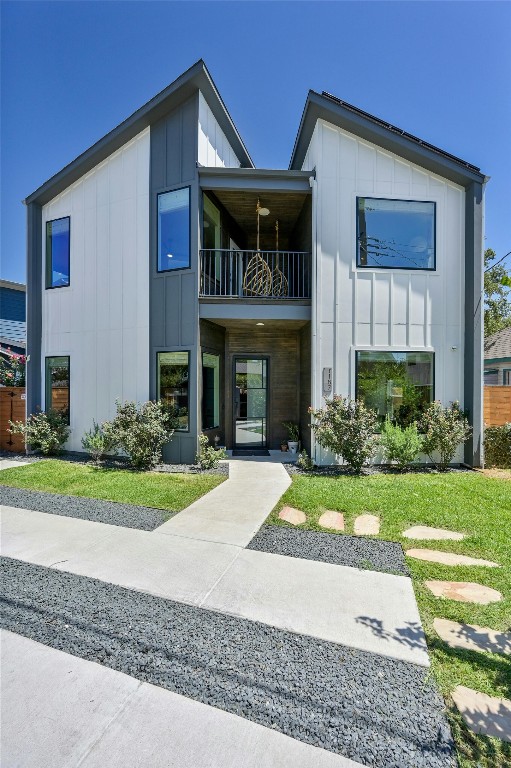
(163, 265)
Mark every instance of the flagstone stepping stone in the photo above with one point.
(470, 637)
(367, 525)
(484, 714)
(332, 520)
(448, 558)
(292, 515)
(425, 532)
(464, 591)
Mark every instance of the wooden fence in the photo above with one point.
(497, 405)
(12, 407)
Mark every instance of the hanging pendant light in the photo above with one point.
(257, 280)
(280, 286)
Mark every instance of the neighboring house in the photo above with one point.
(162, 264)
(13, 328)
(497, 358)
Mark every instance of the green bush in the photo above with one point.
(208, 456)
(98, 442)
(497, 446)
(443, 430)
(141, 431)
(45, 432)
(346, 428)
(400, 445)
(304, 461)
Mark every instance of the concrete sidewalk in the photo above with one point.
(62, 711)
(235, 510)
(367, 610)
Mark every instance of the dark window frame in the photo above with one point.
(394, 200)
(216, 353)
(158, 397)
(165, 192)
(48, 259)
(249, 356)
(47, 387)
(399, 352)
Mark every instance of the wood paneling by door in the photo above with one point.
(12, 407)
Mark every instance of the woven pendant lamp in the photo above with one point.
(280, 286)
(257, 280)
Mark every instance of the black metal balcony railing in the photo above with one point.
(255, 274)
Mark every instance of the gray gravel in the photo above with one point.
(340, 549)
(381, 712)
(113, 513)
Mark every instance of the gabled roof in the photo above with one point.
(498, 345)
(195, 78)
(331, 109)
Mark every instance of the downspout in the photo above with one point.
(314, 267)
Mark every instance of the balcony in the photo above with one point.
(237, 274)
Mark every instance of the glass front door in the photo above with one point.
(250, 398)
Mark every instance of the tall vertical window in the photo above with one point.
(210, 391)
(398, 234)
(173, 376)
(174, 230)
(395, 384)
(57, 252)
(57, 385)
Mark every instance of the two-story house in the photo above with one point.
(163, 264)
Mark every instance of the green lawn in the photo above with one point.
(149, 489)
(467, 502)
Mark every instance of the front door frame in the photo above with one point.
(249, 356)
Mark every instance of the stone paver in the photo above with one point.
(367, 525)
(464, 591)
(332, 520)
(292, 515)
(425, 532)
(448, 558)
(472, 638)
(484, 714)
(63, 711)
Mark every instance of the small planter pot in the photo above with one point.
(293, 447)
(283, 447)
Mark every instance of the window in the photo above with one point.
(397, 234)
(506, 377)
(57, 252)
(210, 391)
(395, 384)
(173, 372)
(57, 385)
(174, 230)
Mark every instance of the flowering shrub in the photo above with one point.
(304, 461)
(12, 370)
(98, 442)
(497, 446)
(347, 428)
(141, 431)
(45, 432)
(443, 430)
(207, 456)
(401, 445)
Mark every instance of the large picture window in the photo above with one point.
(210, 391)
(57, 385)
(174, 230)
(173, 377)
(57, 252)
(397, 234)
(395, 384)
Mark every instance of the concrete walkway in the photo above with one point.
(62, 711)
(235, 510)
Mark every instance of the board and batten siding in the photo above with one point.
(382, 309)
(101, 320)
(214, 150)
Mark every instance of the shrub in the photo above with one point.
(293, 431)
(443, 430)
(347, 428)
(497, 446)
(45, 432)
(401, 445)
(141, 431)
(13, 370)
(208, 456)
(98, 442)
(304, 461)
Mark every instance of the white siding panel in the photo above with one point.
(102, 319)
(213, 147)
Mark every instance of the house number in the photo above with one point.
(327, 381)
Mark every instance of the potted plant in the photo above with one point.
(283, 446)
(293, 433)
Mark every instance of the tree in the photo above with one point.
(497, 306)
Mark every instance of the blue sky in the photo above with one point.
(71, 71)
